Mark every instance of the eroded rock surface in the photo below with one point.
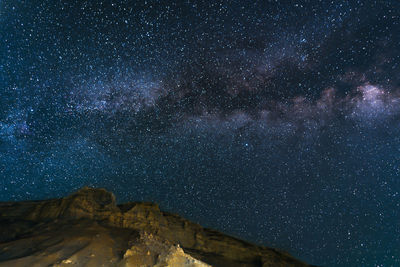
(88, 228)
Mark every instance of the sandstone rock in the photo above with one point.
(88, 228)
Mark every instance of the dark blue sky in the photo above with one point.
(274, 121)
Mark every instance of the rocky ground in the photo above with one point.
(88, 228)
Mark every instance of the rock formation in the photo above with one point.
(88, 228)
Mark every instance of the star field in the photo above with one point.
(274, 121)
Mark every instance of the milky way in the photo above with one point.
(274, 121)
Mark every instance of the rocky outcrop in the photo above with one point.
(131, 234)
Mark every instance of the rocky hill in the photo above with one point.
(88, 228)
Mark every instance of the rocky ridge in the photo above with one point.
(88, 228)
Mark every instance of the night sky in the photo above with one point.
(274, 121)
